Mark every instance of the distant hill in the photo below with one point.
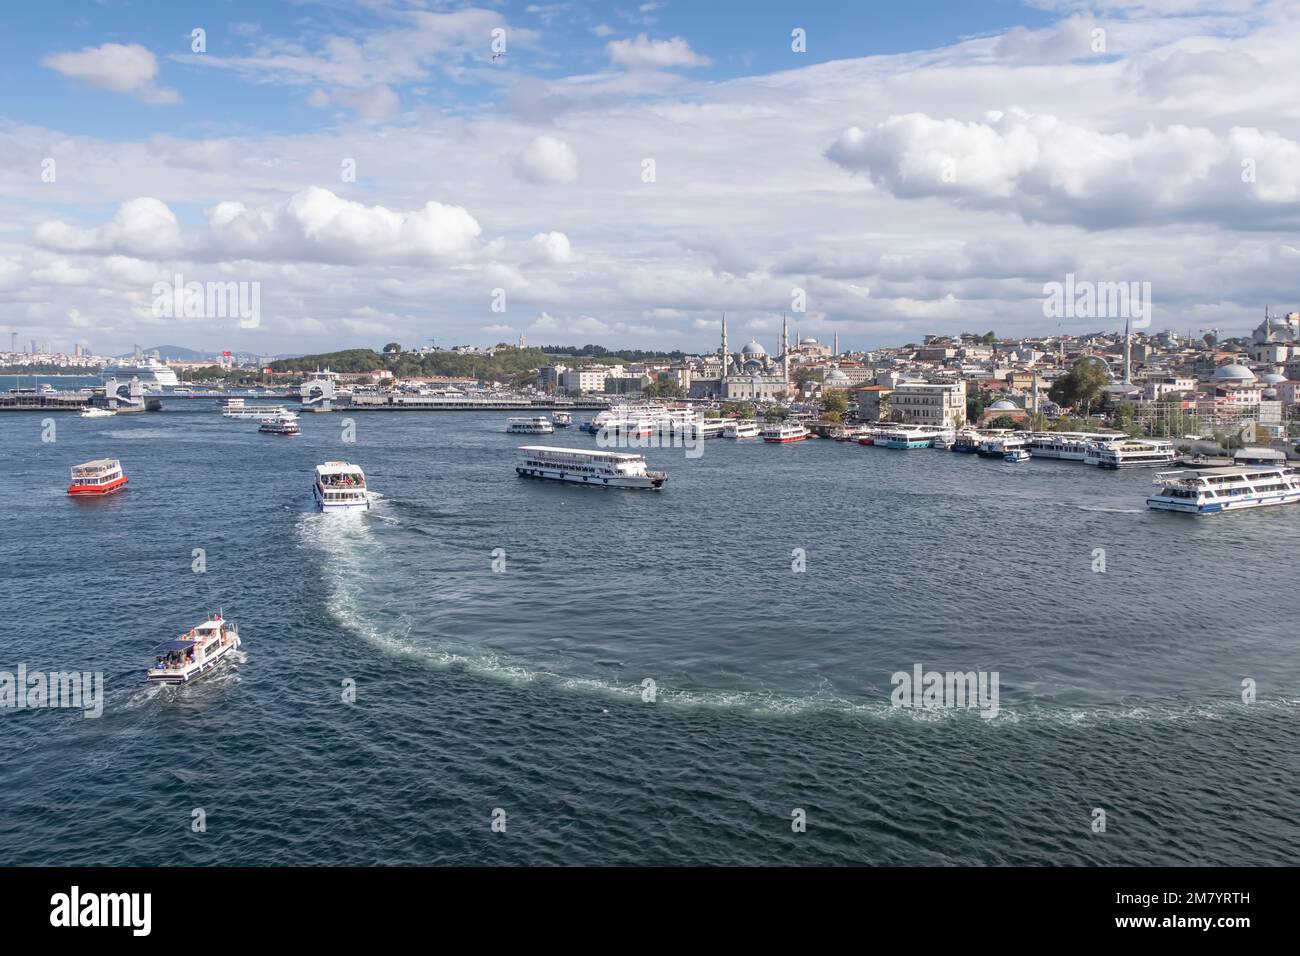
(174, 353)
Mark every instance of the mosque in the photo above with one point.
(753, 375)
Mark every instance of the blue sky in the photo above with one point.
(923, 167)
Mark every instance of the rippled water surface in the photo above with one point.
(522, 690)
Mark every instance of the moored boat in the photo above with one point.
(1135, 453)
(782, 433)
(103, 476)
(1017, 456)
(92, 411)
(742, 429)
(536, 425)
(562, 419)
(194, 653)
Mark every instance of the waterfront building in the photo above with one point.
(929, 403)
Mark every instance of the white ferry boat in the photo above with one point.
(562, 419)
(1233, 488)
(900, 437)
(1144, 453)
(340, 486)
(742, 429)
(194, 653)
(1069, 446)
(1016, 457)
(236, 408)
(967, 441)
(606, 469)
(850, 433)
(280, 425)
(1001, 445)
(91, 411)
(783, 432)
(537, 425)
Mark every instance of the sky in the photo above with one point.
(371, 171)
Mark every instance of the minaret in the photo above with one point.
(837, 345)
(785, 347)
(1128, 352)
(726, 353)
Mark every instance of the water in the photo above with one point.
(522, 690)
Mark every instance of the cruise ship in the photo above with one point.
(148, 371)
(604, 469)
(537, 425)
(1233, 488)
(1069, 446)
(1135, 453)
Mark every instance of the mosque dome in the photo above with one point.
(753, 348)
(1226, 373)
(1004, 405)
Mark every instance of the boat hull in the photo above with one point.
(323, 505)
(599, 481)
(97, 491)
(1218, 507)
(189, 674)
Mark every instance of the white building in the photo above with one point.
(929, 403)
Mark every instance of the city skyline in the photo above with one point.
(384, 175)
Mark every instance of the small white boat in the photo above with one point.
(537, 425)
(194, 653)
(340, 486)
(91, 411)
(1017, 456)
(562, 419)
(782, 433)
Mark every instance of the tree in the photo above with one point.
(1081, 386)
(974, 408)
(988, 338)
(392, 348)
(665, 388)
(743, 410)
(776, 413)
(1003, 421)
(835, 402)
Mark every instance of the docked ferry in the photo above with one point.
(1001, 445)
(103, 476)
(742, 429)
(605, 469)
(782, 432)
(340, 486)
(1143, 453)
(901, 437)
(967, 441)
(194, 653)
(850, 432)
(562, 419)
(1233, 488)
(537, 425)
(1069, 446)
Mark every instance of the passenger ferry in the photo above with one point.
(236, 408)
(1234, 488)
(1001, 445)
(1143, 453)
(103, 476)
(280, 425)
(605, 469)
(1069, 446)
(92, 411)
(340, 486)
(967, 441)
(562, 419)
(850, 432)
(781, 433)
(742, 429)
(904, 438)
(195, 653)
(537, 425)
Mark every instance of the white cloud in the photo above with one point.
(642, 53)
(113, 66)
(546, 160)
(313, 225)
(552, 248)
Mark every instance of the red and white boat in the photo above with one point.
(100, 477)
(783, 432)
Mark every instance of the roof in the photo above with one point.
(611, 455)
(336, 467)
(98, 463)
